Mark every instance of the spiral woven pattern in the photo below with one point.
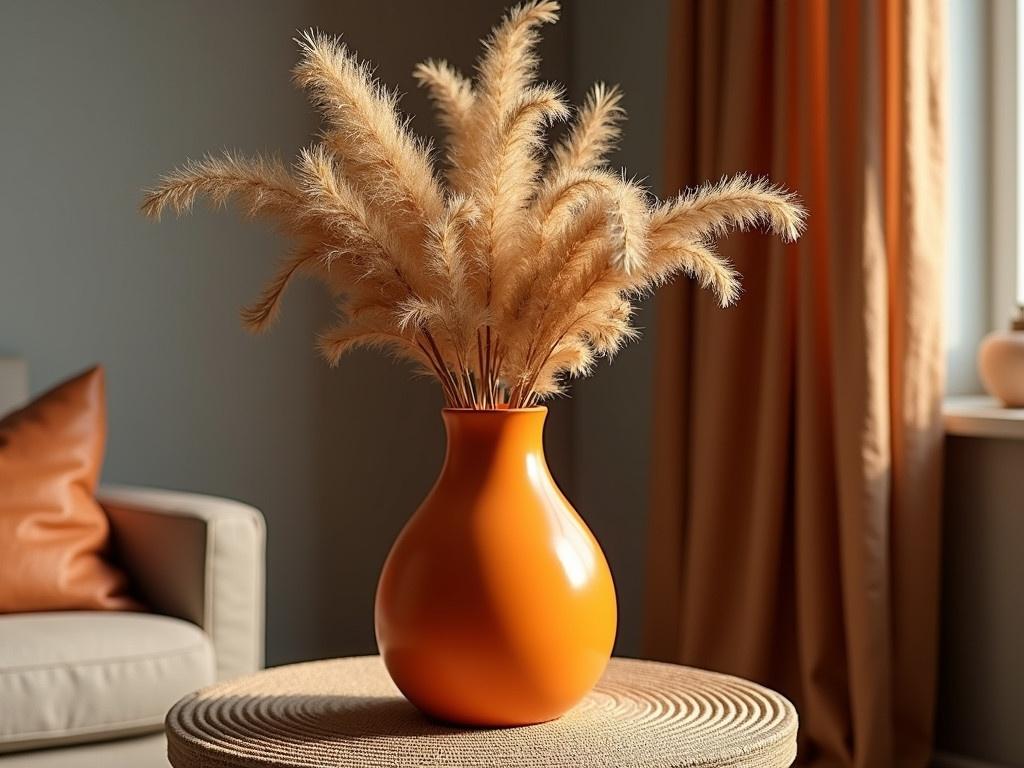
(347, 712)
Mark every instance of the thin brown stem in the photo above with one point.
(499, 361)
(440, 359)
(516, 395)
(462, 371)
(487, 368)
(480, 363)
(467, 375)
(445, 387)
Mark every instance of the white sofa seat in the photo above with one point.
(77, 676)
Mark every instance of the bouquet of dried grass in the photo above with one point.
(514, 271)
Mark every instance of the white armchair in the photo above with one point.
(91, 688)
(81, 688)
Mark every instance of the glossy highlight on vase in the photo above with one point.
(496, 606)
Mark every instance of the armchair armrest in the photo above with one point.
(198, 558)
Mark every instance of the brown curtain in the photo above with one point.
(795, 521)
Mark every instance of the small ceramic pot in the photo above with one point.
(1001, 363)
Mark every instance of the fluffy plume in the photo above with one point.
(453, 98)
(594, 134)
(361, 242)
(628, 227)
(368, 332)
(259, 315)
(504, 72)
(451, 93)
(504, 181)
(509, 63)
(697, 261)
(519, 272)
(562, 195)
(571, 358)
(260, 185)
(450, 269)
(733, 203)
(379, 154)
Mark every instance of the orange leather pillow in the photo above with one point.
(53, 532)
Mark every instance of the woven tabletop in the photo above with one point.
(347, 712)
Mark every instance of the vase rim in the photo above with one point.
(498, 411)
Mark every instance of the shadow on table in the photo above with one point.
(317, 718)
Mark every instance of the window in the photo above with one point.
(1007, 159)
(985, 262)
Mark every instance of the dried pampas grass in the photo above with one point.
(513, 271)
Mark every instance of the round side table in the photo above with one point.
(347, 712)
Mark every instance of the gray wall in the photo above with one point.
(97, 99)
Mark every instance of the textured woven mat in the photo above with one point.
(347, 712)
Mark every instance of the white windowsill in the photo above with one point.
(980, 416)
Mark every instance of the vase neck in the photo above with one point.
(479, 441)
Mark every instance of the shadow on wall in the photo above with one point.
(613, 411)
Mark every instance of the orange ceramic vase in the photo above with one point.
(496, 606)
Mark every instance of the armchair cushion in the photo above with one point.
(76, 676)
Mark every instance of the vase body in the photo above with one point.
(495, 606)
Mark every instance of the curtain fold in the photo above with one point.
(794, 534)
